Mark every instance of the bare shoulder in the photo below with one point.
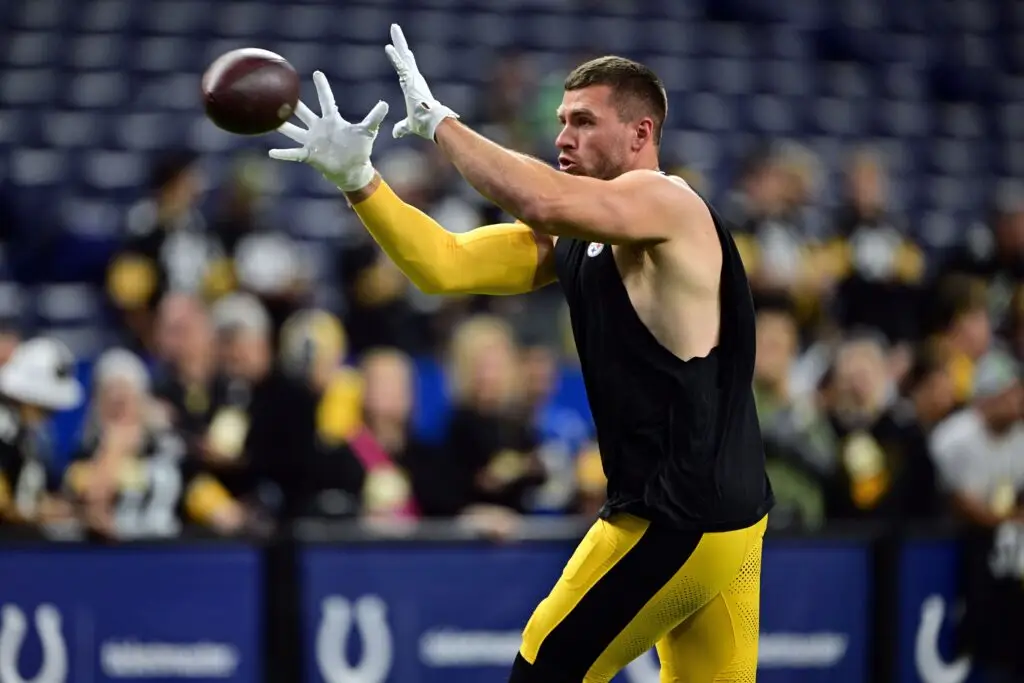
(669, 200)
(691, 248)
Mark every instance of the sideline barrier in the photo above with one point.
(421, 615)
(73, 613)
(926, 582)
(434, 608)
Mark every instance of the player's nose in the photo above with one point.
(565, 140)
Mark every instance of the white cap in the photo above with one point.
(266, 263)
(121, 364)
(41, 372)
(241, 311)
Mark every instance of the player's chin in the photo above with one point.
(572, 169)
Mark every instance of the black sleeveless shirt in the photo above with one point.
(679, 440)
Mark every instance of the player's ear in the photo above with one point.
(643, 133)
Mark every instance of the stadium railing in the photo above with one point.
(354, 603)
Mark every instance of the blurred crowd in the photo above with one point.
(239, 395)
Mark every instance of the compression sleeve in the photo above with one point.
(494, 259)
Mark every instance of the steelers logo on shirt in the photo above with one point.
(594, 249)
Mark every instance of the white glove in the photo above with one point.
(423, 113)
(338, 149)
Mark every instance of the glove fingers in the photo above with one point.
(398, 39)
(375, 117)
(402, 46)
(290, 130)
(324, 94)
(396, 61)
(305, 114)
(299, 154)
(401, 129)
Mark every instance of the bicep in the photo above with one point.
(636, 207)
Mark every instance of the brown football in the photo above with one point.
(250, 91)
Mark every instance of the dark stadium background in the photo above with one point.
(871, 155)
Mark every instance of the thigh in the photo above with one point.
(617, 569)
(627, 585)
(719, 642)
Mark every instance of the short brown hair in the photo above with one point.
(636, 88)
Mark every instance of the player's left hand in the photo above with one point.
(423, 113)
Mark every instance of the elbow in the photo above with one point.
(432, 284)
(431, 288)
(538, 212)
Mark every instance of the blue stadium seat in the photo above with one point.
(937, 86)
(13, 301)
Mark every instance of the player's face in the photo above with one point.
(594, 142)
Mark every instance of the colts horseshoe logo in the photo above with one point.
(13, 627)
(370, 615)
(930, 665)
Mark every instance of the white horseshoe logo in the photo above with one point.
(370, 614)
(54, 668)
(930, 665)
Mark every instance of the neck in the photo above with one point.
(389, 433)
(30, 416)
(648, 161)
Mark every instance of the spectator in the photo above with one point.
(489, 435)
(313, 348)
(266, 261)
(189, 384)
(978, 452)
(133, 476)
(797, 464)
(777, 346)
(993, 253)
(771, 246)
(775, 234)
(965, 331)
(37, 381)
(928, 388)
(883, 470)
(885, 269)
(166, 248)
(977, 449)
(263, 439)
(406, 476)
(561, 430)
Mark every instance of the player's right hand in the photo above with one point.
(338, 149)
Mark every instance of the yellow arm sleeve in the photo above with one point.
(494, 259)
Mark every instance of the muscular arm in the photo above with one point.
(494, 259)
(639, 206)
